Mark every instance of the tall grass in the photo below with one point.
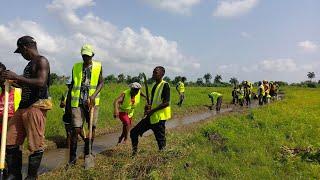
(196, 98)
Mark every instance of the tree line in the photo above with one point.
(207, 80)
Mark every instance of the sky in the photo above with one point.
(247, 39)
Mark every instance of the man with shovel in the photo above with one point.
(29, 120)
(87, 82)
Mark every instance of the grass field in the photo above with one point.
(196, 98)
(277, 141)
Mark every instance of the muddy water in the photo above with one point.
(59, 157)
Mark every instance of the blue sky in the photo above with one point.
(248, 39)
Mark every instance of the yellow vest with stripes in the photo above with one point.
(77, 80)
(127, 105)
(163, 114)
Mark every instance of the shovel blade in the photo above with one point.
(88, 161)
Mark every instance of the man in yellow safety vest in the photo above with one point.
(181, 89)
(86, 84)
(218, 97)
(261, 93)
(156, 114)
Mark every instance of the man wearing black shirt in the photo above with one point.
(156, 114)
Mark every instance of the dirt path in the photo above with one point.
(57, 158)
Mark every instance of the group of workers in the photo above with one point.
(242, 94)
(29, 102)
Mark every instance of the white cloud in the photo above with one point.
(125, 50)
(245, 35)
(280, 65)
(176, 6)
(231, 8)
(308, 46)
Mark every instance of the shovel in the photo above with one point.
(4, 130)
(89, 158)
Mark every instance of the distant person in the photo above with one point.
(241, 95)
(181, 89)
(267, 91)
(87, 82)
(30, 119)
(218, 97)
(156, 114)
(235, 95)
(65, 103)
(248, 87)
(261, 93)
(124, 107)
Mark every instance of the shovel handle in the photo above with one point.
(90, 122)
(4, 125)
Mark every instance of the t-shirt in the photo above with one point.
(31, 94)
(85, 84)
(11, 103)
(165, 96)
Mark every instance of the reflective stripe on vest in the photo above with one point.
(17, 98)
(181, 87)
(127, 105)
(77, 80)
(163, 114)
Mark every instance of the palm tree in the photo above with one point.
(311, 75)
(207, 78)
(217, 79)
(234, 81)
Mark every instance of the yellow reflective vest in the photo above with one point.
(127, 105)
(181, 87)
(163, 114)
(261, 90)
(77, 80)
(215, 95)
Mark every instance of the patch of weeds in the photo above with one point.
(218, 142)
(308, 154)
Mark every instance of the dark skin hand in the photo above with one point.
(157, 76)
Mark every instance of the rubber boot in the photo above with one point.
(87, 145)
(34, 164)
(73, 148)
(14, 163)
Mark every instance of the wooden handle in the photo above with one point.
(4, 125)
(90, 122)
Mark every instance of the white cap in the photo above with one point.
(135, 85)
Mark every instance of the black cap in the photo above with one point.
(24, 40)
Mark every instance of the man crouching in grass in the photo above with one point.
(156, 114)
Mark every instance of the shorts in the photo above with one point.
(30, 123)
(80, 114)
(123, 116)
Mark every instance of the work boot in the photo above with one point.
(73, 150)
(34, 164)
(14, 163)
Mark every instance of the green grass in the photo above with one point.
(196, 98)
(256, 144)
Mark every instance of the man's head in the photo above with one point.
(158, 73)
(183, 79)
(135, 88)
(87, 52)
(2, 68)
(27, 47)
(260, 83)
